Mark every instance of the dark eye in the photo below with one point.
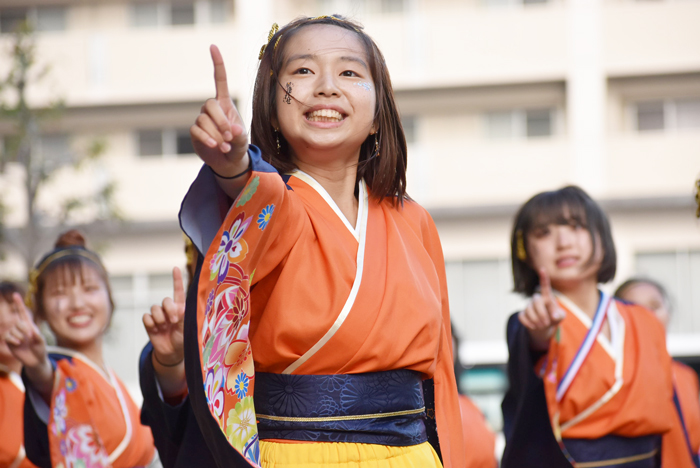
(303, 71)
(349, 73)
(540, 232)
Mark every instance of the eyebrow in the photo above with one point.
(345, 58)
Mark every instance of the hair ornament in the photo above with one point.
(334, 18)
(520, 251)
(58, 254)
(273, 30)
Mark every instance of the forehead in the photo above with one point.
(324, 40)
(641, 291)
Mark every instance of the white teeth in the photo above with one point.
(79, 319)
(324, 115)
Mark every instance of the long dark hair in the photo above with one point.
(385, 174)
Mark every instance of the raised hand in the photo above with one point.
(164, 325)
(218, 135)
(29, 348)
(542, 314)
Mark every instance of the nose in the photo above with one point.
(564, 237)
(75, 299)
(326, 85)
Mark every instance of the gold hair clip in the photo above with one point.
(273, 31)
(520, 251)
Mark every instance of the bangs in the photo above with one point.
(567, 206)
(70, 271)
(559, 208)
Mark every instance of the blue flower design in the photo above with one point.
(241, 385)
(264, 217)
(71, 385)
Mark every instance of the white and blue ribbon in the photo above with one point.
(586, 346)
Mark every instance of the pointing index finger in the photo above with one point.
(24, 312)
(219, 74)
(545, 286)
(178, 287)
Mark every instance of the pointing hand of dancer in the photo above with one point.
(28, 346)
(542, 314)
(218, 135)
(164, 325)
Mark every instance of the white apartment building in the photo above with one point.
(501, 99)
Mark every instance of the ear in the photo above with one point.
(274, 122)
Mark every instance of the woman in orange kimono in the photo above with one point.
(317, 330)
(590, 378)
(77, 411)
(12, 453)
(653, 296)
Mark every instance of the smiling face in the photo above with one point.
(327, 101)
(565, 251)
(76, 306)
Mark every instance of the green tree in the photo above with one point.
(22, 147)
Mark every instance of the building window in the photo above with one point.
(481, 297)
(11, 18)
(516, 124)
(42, 19)
(679, 272)
(392, 6)
(182, 13)
(144, 15)
(50, 19)
(54, 149)
(164, 142)
(179, 13)
(668, 114)
(150, 142)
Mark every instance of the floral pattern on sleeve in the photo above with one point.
(223, 316)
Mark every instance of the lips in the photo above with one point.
(79, 320)
(565, 262)
(324, 115)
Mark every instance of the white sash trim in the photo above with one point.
(362, 215)
(617, 334)
(21, 454)
(112, 381)
(355, 231)
(586, 321)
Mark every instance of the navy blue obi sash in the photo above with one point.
(384, 408)
(615, 451)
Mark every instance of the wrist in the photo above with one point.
(168, 361)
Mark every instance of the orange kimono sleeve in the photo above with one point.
(447, 409)
(682, 443)
(12, 452)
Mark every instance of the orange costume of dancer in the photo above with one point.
(478, 438)
(12, 454)
(92, 419)
(622, 389)
(686, 383)
(289, 289)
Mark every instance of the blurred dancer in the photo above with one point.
(12, 452)
(479, 439)
(653, 296)
(77, 411)
(590, 377)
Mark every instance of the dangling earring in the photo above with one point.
(520, 246)
(277, 136)
(376, 146)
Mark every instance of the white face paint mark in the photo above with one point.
(364, 85)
